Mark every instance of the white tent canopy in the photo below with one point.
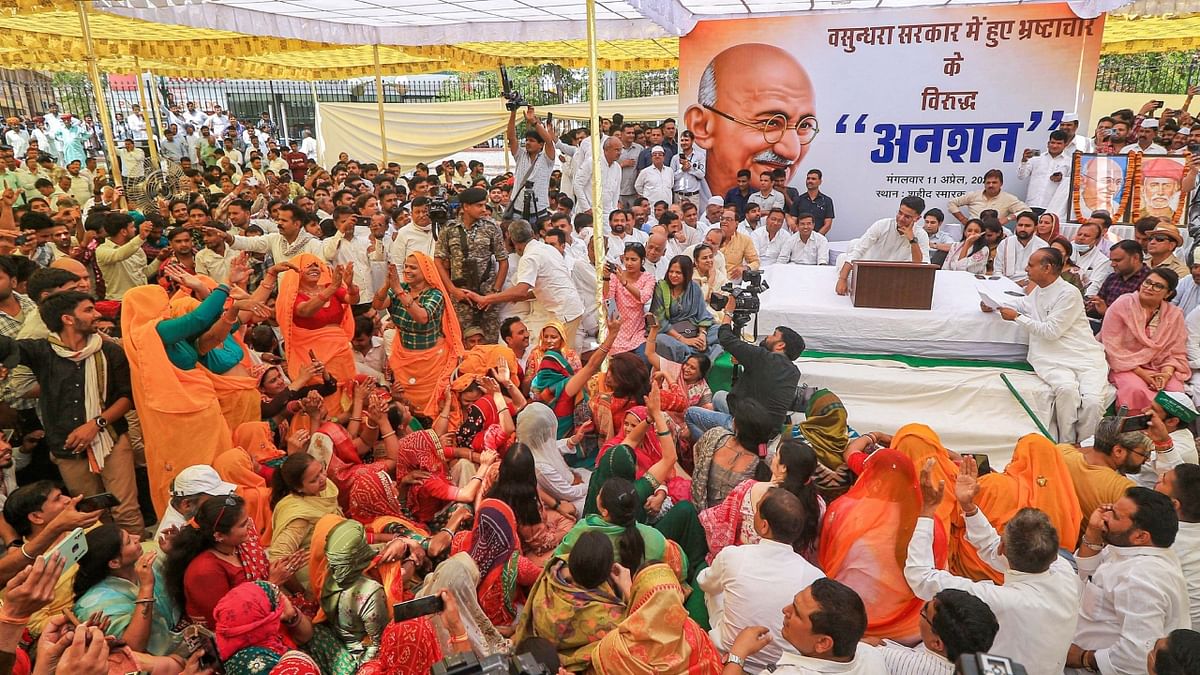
(426, 132)
(442, 22)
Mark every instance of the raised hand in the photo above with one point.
(966, 485)
(931, 494)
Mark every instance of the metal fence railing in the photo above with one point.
(290, 104)
(1148, 73)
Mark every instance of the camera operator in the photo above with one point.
(535, 162)
(769, 375)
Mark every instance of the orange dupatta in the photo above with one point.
(330, 344)
(424, 372)
(318, 566)
(235, 466)
(864, 543)
(1036, 477)
(178, 409)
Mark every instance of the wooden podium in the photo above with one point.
(892, 285)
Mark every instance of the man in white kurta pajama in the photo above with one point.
(1013, 252)
(1062, 349)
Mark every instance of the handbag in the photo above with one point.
(686, 329)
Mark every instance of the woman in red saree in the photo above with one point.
(648, 452)
(656, 636)
(864, 544)
(504, 574)
(428, 498)
(313, 311)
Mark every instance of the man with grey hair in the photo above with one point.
(1103, 472)
(543, 276)
(726, 120)
(610, 179)
(1038, 604)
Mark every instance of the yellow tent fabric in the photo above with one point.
(45, 35)
(1134, 35)
(426, 132)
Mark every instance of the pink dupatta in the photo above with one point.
(1128, 344)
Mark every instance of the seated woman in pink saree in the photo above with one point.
(864, 543)
(1145, 340)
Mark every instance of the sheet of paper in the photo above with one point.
(994, 297)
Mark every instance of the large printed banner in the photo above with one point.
(907, 101)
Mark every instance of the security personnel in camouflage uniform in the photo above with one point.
(471, 257)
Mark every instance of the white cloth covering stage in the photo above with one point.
(802, 297)
(969, 407)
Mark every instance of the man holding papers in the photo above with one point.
(1062, 350)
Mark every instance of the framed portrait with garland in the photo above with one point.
(1103, 183)
(1158, 188)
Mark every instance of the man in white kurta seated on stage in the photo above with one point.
(773, 241)
(1062, 349)
(1091, 258)
(890, 239)
(809, 247)
(1012, 254)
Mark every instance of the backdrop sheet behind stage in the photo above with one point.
(802, 297)
(920, 100)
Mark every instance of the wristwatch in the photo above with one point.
(101, 422)
(913, 240)
(735, 660)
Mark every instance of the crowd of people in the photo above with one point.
(244, 425)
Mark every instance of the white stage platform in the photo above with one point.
(969, 407)
(802, 297)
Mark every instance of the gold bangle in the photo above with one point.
(460, 638)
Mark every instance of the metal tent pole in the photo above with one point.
(383, 149)
(101, 105)
(148, 114)
(598, 214)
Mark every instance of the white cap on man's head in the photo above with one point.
(200, 479)
(1070, 117)
(658, 149)
(716, 200)
(1149, 123)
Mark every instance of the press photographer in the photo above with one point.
(534, 163)
(769, 374)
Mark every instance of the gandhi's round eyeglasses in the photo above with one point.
(773, 127)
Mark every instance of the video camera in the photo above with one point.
(513, 100)
(496, 664)
(745, 297)
(987, 664)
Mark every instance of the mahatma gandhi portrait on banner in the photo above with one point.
(1102, 184)
(755, 109)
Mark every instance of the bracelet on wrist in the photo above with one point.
(1091, 545)
(26, 554)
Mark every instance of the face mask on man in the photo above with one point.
(1081, 249)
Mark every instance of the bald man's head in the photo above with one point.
(75, 267)
(656, 247)
(751, 122)
(612, 149)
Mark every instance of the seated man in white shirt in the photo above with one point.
(744, 583)
(822, 629)
(952, 623)
(1182, 485)
(773, 242)
(894, 239)
(1091, 258)
(1039, 601)
(1013, 253)
(809, 247)
(1134, 591)
(1062, 350)
(753, 220)
(370, 357)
